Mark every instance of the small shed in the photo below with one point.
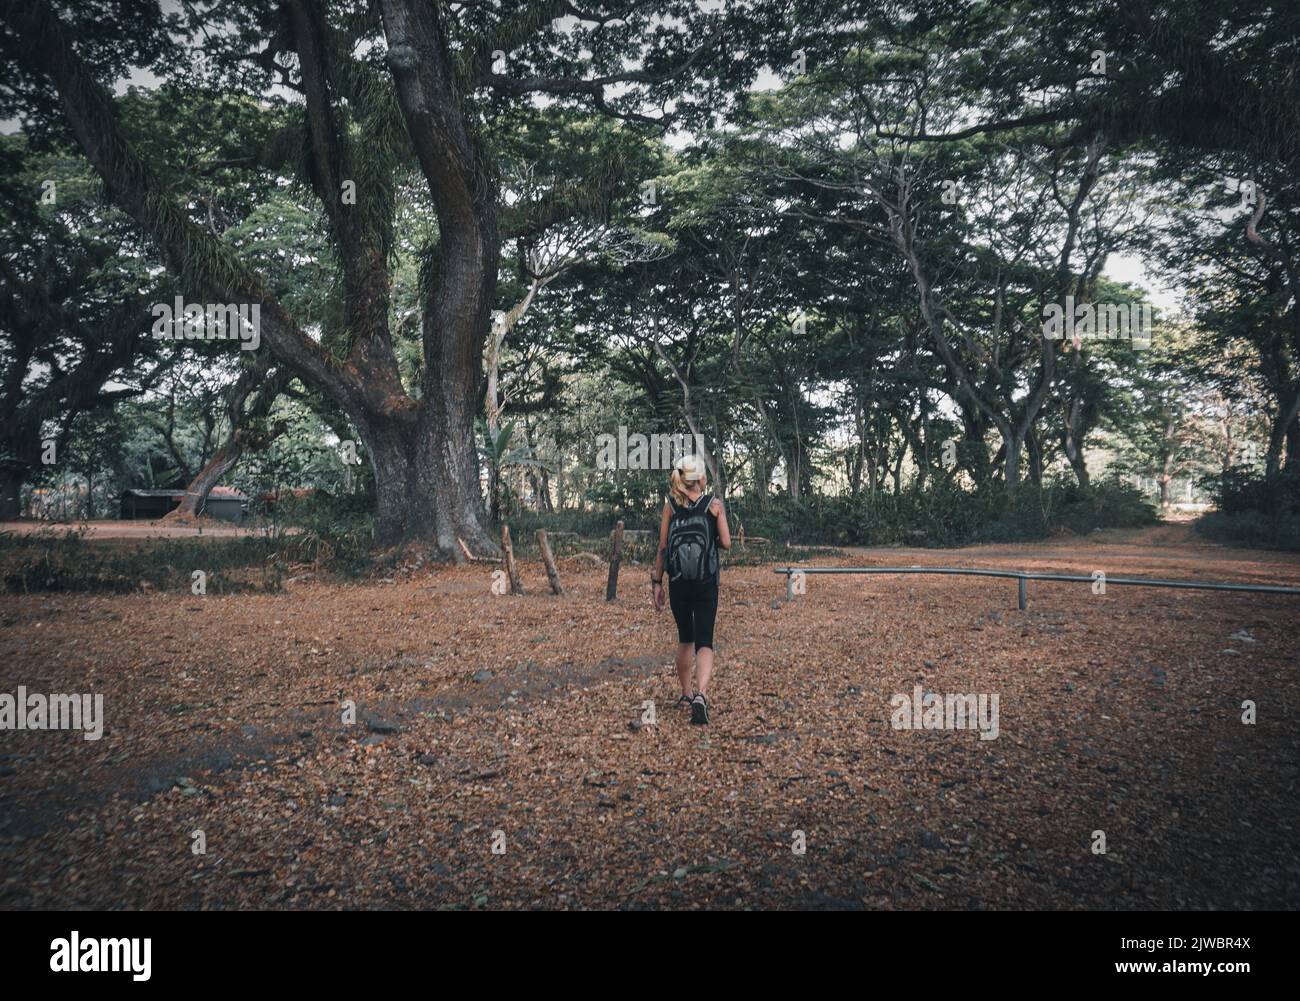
(225, 503)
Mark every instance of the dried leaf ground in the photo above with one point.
(1118, 712)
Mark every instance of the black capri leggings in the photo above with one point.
(694, 606)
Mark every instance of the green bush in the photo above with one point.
(334, 532)
(1240, 490)
(334, 535)
(1109, 504)
(945, 514)
(1251, 529)
(1252, 511)
(65, 561)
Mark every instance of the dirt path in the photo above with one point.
(478, 714)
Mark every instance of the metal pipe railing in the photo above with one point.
(1021, 576)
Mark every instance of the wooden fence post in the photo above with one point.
(615, 558)
(552, 574)
(515, 586)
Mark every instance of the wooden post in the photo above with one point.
(548, 559)
(475, 559)
(615, 558)
(511, 569)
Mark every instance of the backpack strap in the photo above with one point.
(713, 540)
(690, 508)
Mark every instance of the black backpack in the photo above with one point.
(692, 555)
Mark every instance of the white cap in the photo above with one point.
(691, 467)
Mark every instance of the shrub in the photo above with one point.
(1253, 512)
(336, 533)
(64, 561)
(1252, 529)
(945, 514)
(1239, 490)
(333, 535)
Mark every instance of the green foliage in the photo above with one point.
(940, 515)
(1109, 504)
(1240, 490)
(335, 533)
(944, 514)
(761, 296)
(316, 532)
(628, 494)
(1254, 511)
(1252, 529)
(67, 561)
(498, 449)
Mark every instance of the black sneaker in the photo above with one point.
(684, 702)
(699, 710)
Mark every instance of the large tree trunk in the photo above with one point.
(12, 477)
(425, 464)
(456, 316)
(196, 494)
(243, 435)
(762, 474)
(426, 484)
(1284, 425)
(1035, 455)
(1080, 467)
(1072, 443)
(919, 445)
(1010, 461)
(794, 470)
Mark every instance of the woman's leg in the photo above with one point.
(706, 610)
(703, 669)
(686, 661)
(680, 604)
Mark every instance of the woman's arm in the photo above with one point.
(657, 574)
(724, 530)
(663, 543)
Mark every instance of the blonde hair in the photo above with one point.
(687, 472)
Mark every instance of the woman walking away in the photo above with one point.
(693, 526)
